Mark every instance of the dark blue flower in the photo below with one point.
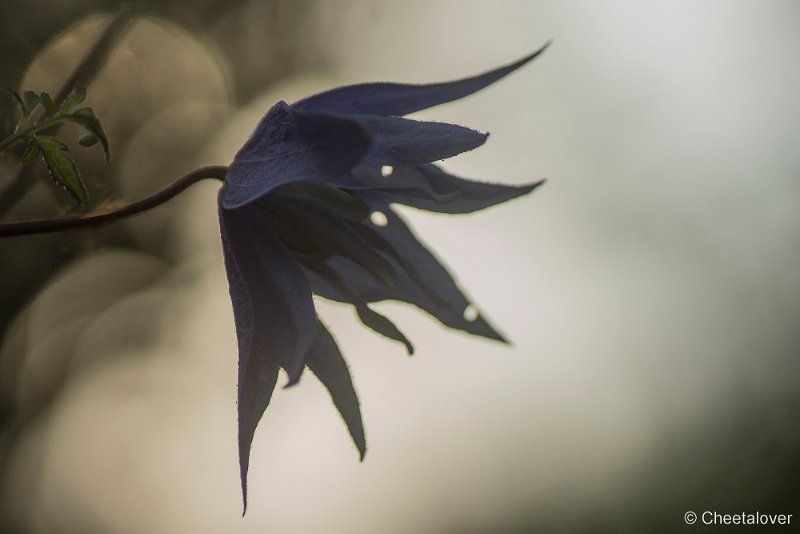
(306, 208)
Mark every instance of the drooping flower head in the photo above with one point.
(306, 209)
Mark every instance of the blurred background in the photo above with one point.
(651, 288)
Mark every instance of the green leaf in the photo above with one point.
(86, 118)
(62, 168)
(89, 139)
(48, 103)
(31, 151)
(77, 96)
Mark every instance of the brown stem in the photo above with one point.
(46, 226)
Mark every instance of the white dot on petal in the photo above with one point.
(378, 218)
(471, 313)
(387, 170)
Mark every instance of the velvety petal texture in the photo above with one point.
(274, 315)
(398, 141)
(325, 360)
(401, 98)
(422, 279)
(306, 207)
(291, 146)
(430, 188)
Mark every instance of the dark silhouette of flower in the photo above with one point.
(306, 208)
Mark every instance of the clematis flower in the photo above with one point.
(306, 208)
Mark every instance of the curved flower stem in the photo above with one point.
(46, 226)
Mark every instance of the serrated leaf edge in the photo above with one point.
(75, 187)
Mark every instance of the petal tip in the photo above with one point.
(244, 495)
(294, 373)
(529, 188)
(536, 53)
(502, 339)
(291, 382)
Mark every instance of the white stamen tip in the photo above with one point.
(471, 313)
(378, 218)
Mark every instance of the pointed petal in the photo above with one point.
(372, 236)
(398, 141)
(400, 99)
(430, 188)
(273, 312)
(436, 276)
(339, 278)
(254, 389)
(302, 218)
(382, 325)
(290, 146)
(344, 204)
(325, 360)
